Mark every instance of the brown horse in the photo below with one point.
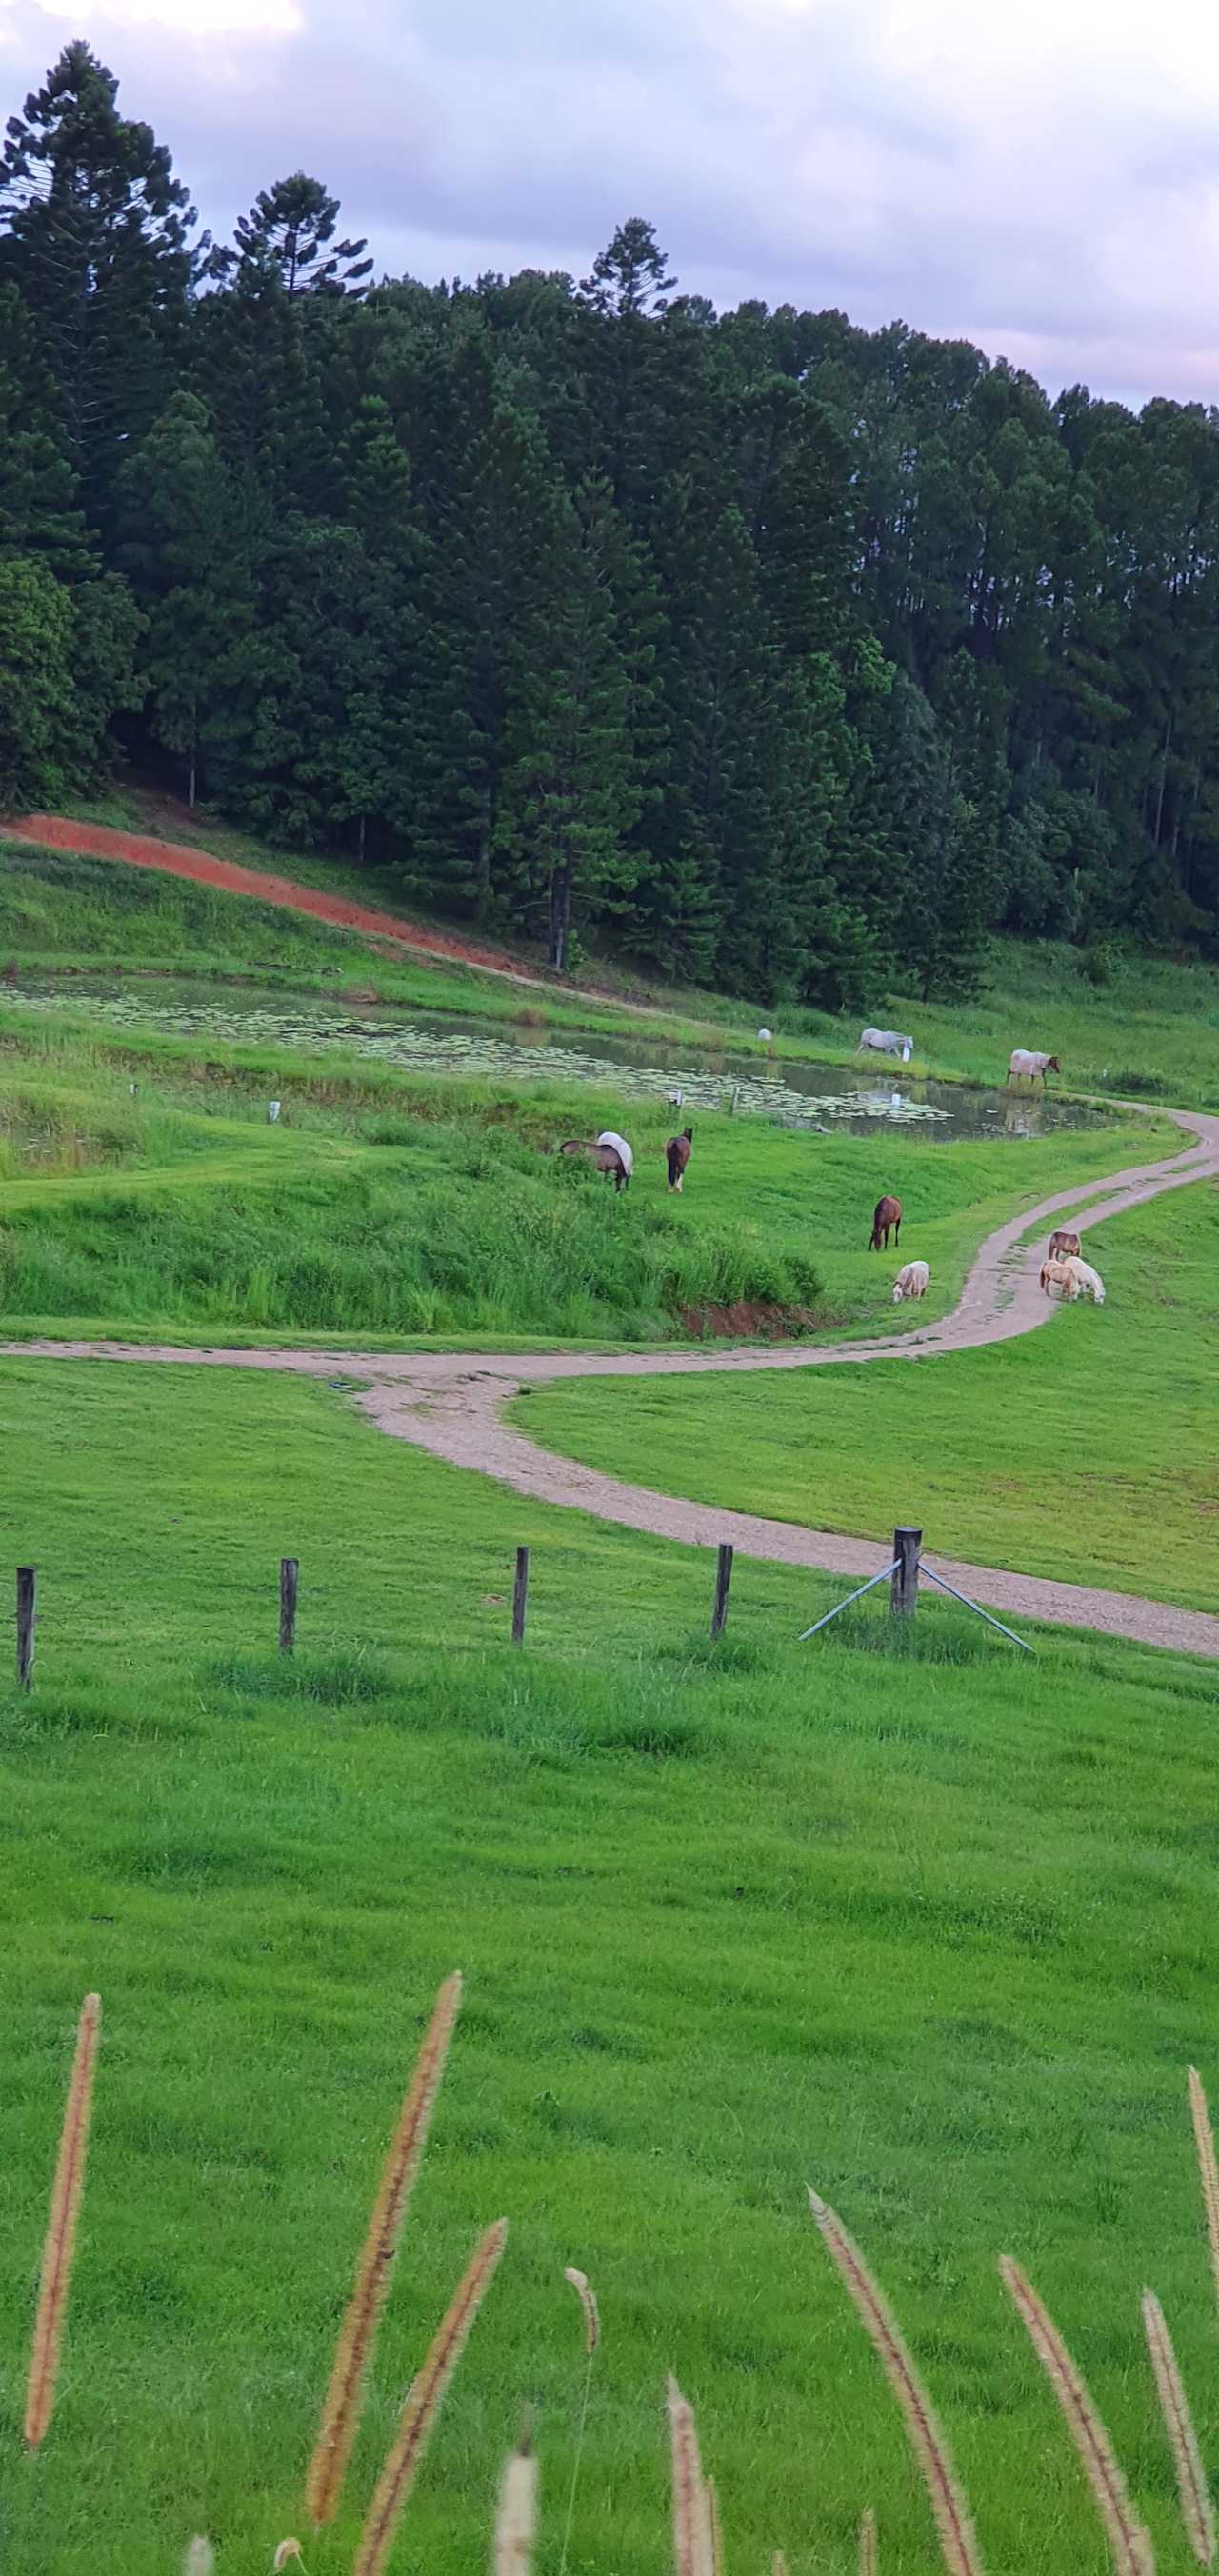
(1063, 1247)
(677, 1155)
(888, 1217)
(606, 1157)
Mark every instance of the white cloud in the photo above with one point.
(194, 20)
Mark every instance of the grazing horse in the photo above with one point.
(911, 1282)
(1026, 1063)
(677, 1155)
(611, 1154)
(1063, 1246)
(1088, 1282)
(888, 1216)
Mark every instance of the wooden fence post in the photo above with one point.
(27, 1590)
(520, 1596)
(903, 1590)
(289, 1570)
(723, 1577)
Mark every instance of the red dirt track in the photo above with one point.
(181, 859)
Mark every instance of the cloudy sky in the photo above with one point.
(1042, 177)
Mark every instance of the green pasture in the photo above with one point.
(398, 1206)
(1086, 1451)
(1120, 1022)
(938, 1936)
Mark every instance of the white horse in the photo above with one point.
(885, 1042)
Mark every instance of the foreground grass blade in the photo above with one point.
(1197, 2511)
(958, 2543)
(1129, 2543)
(591, 2314)
(516, 2513)
(867, 2544)
(200, 2559)
(691, 2521)
(715, 2536)
(345, 2395)
(419, 2413)
(1208, 2171)
(60, 2242)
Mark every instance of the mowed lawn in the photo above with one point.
(1086, 1450)
(939, 1936)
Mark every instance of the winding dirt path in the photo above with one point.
(453, 1405)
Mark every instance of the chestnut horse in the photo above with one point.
(888, 1216)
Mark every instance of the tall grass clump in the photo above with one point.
(367, 1251)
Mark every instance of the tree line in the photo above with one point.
(786, 655)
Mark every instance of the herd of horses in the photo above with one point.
(1064, 1273)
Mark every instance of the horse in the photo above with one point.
(1026, 1063)
(888, 1215)
(911, 1282)
(677, 1155)
(611, 1154)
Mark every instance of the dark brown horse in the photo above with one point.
(606, 1157)
(888, 1216)
(677, 1155)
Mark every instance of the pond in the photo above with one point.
(797, 1094)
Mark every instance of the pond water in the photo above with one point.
(796, 1094)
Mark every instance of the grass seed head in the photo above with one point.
(1197, 2511)
(1208, 2171)
(1128, 2542)
(60, 2245)
(588, 2303)
(958, 2543)
(423, 2402)
(516, 2513)
(345, 2395)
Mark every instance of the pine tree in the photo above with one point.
(186, 541)
(40, 510)
(94, 234)
(289, 232)
(480, 589)
(568, 796)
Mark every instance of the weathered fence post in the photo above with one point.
(520, 1596)
(27, 1590)
(723, 1577)
(903, 1590)
(289, 1571)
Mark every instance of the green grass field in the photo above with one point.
(1085, 1451)
(931, 1929)
(389, 1206)
(936, 1936)
(1149, 1029)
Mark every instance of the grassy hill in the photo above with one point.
(402, 1207)
(1121, 1022)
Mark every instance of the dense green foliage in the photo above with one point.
(789, 654)
(939, 1940)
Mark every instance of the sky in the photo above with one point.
(1040, 178)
